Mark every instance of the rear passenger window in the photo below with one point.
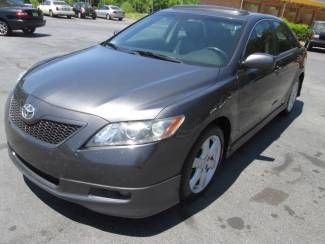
(284, 38)
(261, 40)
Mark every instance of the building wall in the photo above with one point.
(293, 12)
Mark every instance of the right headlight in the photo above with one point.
(138, 132)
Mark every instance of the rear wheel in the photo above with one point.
(4, 28)
(69, 16)
(29, 31)
(51, 13)
(94, 16)
(120, 19)
(202, 163)
(292, 98)
(309, 46)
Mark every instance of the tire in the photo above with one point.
(193, 182)
(79, 15)
(69, 17)
(120, 19)
(4, 29)
(29, 31)
(94, 17)
(292, 98)
(108, 16)
(309, 46)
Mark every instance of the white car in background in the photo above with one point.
(110, 12)
(56, 8)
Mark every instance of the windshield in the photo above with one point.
(319, 26)
(59, 3)
(11, 3)
(190, 38)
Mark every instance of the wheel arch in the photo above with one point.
(301, 81)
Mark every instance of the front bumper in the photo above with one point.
(317, 43)
(133, 182)
(19, 24)
(122, 202)
(64, 13)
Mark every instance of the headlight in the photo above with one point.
(316, 36)
(133, 133)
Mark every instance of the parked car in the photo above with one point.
(55, 8)
(110, 12)
(15, 16)
(28, 5)
(144, 120)
(83, 10)
(317, 39)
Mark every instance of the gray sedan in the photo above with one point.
(110, 12)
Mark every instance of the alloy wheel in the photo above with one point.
(205, 164)
(4, 29)
(293, 96)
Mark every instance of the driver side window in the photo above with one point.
(261, 40)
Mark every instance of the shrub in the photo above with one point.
(302, 31)
(127, 7)
(35, 3)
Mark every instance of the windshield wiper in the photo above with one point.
(158, 56)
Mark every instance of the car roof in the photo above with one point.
(220, 11)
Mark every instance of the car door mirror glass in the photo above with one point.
(261, 61)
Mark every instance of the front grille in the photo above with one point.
(48, 131)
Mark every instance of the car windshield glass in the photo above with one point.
(189, 38)
(319, 26)
(59, 3)
(115, 8)
(11, 3)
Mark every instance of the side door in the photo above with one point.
(287, 60)
(47, 6)
(256, 87)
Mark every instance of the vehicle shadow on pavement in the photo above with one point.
(225, 178)
(23, 35)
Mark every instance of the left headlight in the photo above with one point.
(134, 133)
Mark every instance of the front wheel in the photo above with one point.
(292, 98)
(120, 19)
(69, 17)
(29, 31)
(94, 17)
(202, 163)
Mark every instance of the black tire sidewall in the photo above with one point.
(185, 191)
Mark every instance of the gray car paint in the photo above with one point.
(100, 85)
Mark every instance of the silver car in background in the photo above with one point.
(110, 12)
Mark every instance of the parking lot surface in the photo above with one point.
(271, 191)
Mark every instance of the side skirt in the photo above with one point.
(242, 140)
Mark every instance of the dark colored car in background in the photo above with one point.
(15, 16)
(83, 10)
(173, 95)
(317, 38)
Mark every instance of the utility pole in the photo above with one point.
(242, 4)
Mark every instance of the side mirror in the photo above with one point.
(259, 61)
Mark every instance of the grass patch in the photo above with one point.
(135, 16)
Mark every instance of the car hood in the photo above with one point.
(114, 85)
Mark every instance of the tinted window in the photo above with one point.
(261, 40)
(191, 38)
(284, 38)
(6, 3)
